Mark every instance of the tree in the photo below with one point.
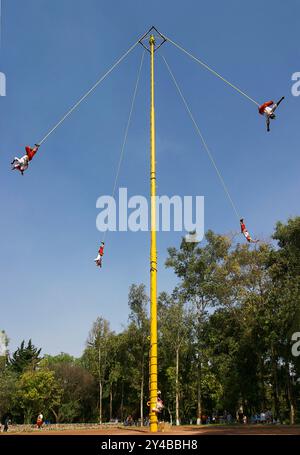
(224, 334)
(174, 328)
(76, 382)
(8, 380)
(284, 269)
(138, 332)
(96, 355)
(52, 361)
(38, 391)
(3, 350)
(116, 367)
(25, 357)
(200, 272)
(122, 370)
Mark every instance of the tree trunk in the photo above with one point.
(142, 401)
(177, 387)
(290, 396)
(122, 400)
(262, 381)
(100, 402)
(275, 386)
(56, 415)
(292, 414)
(199, 393)
(171, 416)
(100, 385)
(27, 416)
(110, 401)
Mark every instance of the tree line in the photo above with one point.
(225, 343)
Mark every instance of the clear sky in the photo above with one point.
(51, 52)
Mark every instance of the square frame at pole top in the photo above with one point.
(159, 39)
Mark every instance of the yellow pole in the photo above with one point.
(153, 259)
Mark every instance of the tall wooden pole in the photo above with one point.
(153, 258)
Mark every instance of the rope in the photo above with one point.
(127, 128)
(203, 140)
(87, 93)
(212, 71)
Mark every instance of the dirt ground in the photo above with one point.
(181, 430)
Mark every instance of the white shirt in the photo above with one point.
(268, 111)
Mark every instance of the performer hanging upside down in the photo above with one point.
(246, 233)
(98, 259)
(159, 403)
(21, 164)
(267, 109)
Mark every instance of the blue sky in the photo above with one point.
(51, 53)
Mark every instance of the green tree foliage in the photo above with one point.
(8, 380)
(202, 286)
(75, 382)
(37, 391)
(225, 337)
(174, 334)
(3, 350)
(25, 357)
(96, 356)
(138, 333)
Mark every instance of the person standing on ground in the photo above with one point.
(6, 422)
(39, 421)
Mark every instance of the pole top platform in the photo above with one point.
(152, 36)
